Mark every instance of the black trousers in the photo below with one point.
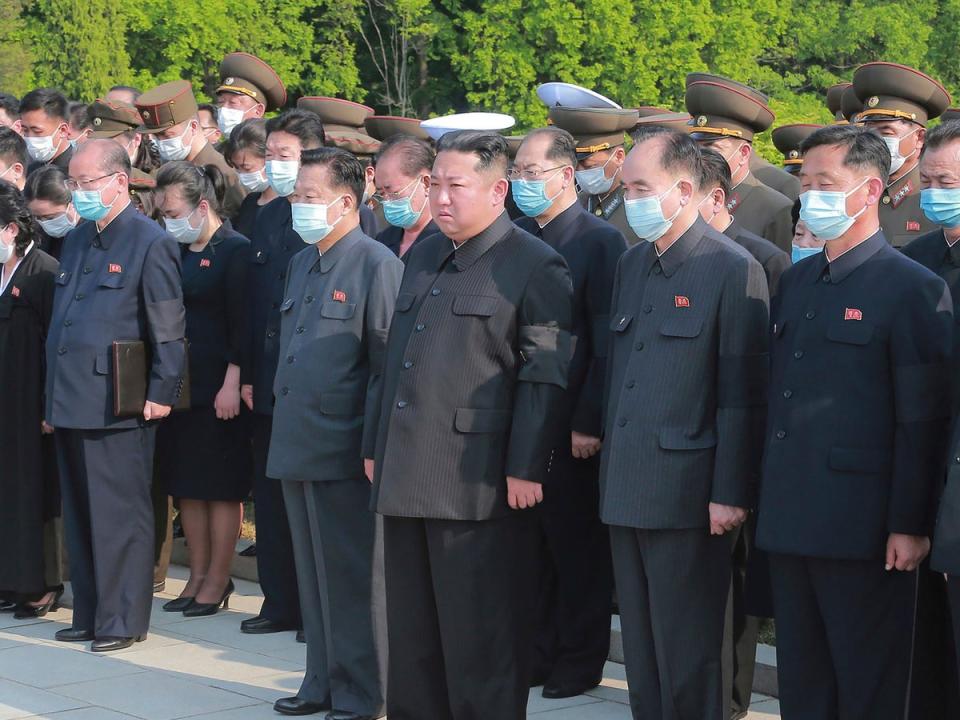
(953, 594)
(105, 478)
(460, 598)
(740, 629)
(844, 638)
(934, 693)
(275, 563)
(672, 589)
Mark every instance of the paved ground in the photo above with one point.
(203, 668)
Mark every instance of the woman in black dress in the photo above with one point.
(246, 152)
(203, 452)
(29, 488)
(51, 205)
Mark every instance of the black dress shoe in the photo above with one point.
(73, 635)
(347, 715)
(301, 638)
(552, 691)
(178, 605)
(159, 587)
(27, 611)
(109, 644)
(738, 714)
(250, 551)
(7, 606)
(296, 706)
(203, 609)
(260, 625)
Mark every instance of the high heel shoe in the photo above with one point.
(177, 605)
(202, 609)
(26, 611)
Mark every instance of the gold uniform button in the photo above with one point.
(598, 212)
(886, 199)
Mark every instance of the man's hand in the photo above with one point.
(906, 552)
(724, 518)
(523, 494)
(45, 428)
(368, 468)
(227, 403)
(155, 411)
(584, 446)
(246, 394)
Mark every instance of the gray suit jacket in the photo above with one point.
(333, 329)
(686, 384)
(476, 366)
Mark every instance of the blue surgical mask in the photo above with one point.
(400, 213)
(59, 226)
(310, 221)
(799, 253)
(255, 181)
(531, 195)
(645, 215)
(941, 206)
(182, 229)
(89, 203)
(595, 181)
(825, 212)
(282, 175)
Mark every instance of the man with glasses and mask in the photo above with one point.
(573, 638)
(402, 177)
(44, 124)
(169, 112)
(858, 422)
(682, 428)
(119, 279)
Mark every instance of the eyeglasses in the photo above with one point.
(401, 194)
(531, 175)
(72, 184)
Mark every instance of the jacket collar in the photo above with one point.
(340, 248)
(676, 254)
(842, 267)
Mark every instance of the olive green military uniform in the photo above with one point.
(110, 119)
(172, 103)
(895, 92)
(779, 179)
(787, 139)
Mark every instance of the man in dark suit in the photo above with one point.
(474, 377)
(273, 243)
(119, 279)
(334, 322)
(44, 123)
(857, 423)
(577, 581)
(683, 422)
(403, 166)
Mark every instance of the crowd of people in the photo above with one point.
(474, 382)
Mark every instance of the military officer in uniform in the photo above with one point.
(787, 139)
(117, 121)
(725, 118)
(248, 88)
(858, 420)
(119, 279)
(835, 102)
(600, 154)
(169, 111)
(898, 102)
(335, 317)
(577, 582)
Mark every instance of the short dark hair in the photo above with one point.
(417, 154)
(302, 124)
(490, 148)
(47, 183)
(679, 151)
(135, 92)
(716, 171)
(10, 105)
(208, 108)
(562, 147)
(250, 135)
(343, 168)
(51, 101)
(863, 147)
(795, 213)
(943, 134)
(196, 183)
(79, 118)
(13, 209)
(13, 148)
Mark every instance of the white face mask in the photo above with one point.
(59, 226)
(6, 251)
(255, 181)
(181, 228)
(824, 212)
(228, 119)
(174, 148)
(893, 145)
(595, 181)
(41, 149)
(309, 220)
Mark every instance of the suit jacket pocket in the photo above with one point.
(677, 438)
(478, 305)
(102, 364)
(620, 323)
(63, 277)
(287, 304)
(405, 301)
(851, 332)
(681, 327)
(341, 404)
(337, 310)
(867, 461)
(470, 420)
(260, 257)
(112, 280)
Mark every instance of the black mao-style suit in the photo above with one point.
(577, 574)
(683, 428)
(474, 377)
(119, 284)
(858, 419)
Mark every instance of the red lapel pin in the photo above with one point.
(339, 296)
(15, 291)
(852, 314)
(681, 301)
(205, 262)
(114, 268)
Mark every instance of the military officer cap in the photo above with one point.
(110, 118)
(669, 120)
(335, 111)
(835, 101)
(382, 127)
(787, 139)
(724, 108)
(139, 180)
(513, 144)
(950, 114)
(166, 105)
(352, 140)
(648, 110)
(850, 105)
(896, 92)
(595, 129)
(697, 77)
(246, 74)
(491, 122)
